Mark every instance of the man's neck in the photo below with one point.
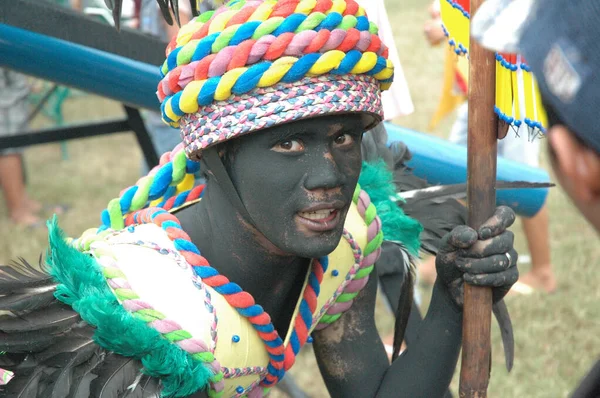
(242, 254)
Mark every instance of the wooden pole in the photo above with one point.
(481, 198)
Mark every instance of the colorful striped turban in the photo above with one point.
(253, 64)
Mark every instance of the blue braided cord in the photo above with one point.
(175, 103)
(187, 245)
(172, 58)
(126, 198)
(162, 180)
(249, 79)
(305, 313)
(324, 261)
(331, 21)
(205, 272)
(277, 358)
(244, 32)
(253, 310)
(379, 66)
(204, 47)
(273, 343)
(231, 288)
(314, 283)
(300, 68)
(164, 114)
(362, 23)
(264, 328)
(173, 224)
(191, 167)
(180, 199)
(289, 24)
(168, 194)
(105, 217)
(295, 342)
(207, 92)
(348, 62)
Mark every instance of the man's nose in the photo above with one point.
(323, 174)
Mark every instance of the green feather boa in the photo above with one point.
(377, 180)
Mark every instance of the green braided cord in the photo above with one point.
(374, 244)
(116, 215)
(373, 28)
(177, 335)
(125, 294)
(311, 22)
(221, 42)
(205, 16)
(111, 273)
(348, 22)
(267, 27)
(370, 214)
(356, 193)
(148, 315)
(330, 318)
(141, 197)
(179, 168)
(364, 272)
(205, 357)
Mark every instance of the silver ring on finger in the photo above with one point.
(509, 258)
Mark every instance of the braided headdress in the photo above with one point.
(252, 64)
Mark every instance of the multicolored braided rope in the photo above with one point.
(370, 255)
(165, 185)
(223, 57)
(168, 328)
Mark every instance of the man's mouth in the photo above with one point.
(321, 218)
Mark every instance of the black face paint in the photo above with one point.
(297, 180)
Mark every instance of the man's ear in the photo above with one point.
(579, 164)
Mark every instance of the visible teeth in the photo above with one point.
(316, 215)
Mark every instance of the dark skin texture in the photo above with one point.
(280, 171)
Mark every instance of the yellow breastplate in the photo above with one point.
(158, 275)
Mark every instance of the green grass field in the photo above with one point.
(557, 335)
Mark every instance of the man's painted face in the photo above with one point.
(297, 180)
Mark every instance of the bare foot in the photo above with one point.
(540, 280)
(25, 218)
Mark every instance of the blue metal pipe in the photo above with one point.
(112, 76)
(134, 83)
(441, 162)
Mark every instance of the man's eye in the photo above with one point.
(289, 146)
(344, 139)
